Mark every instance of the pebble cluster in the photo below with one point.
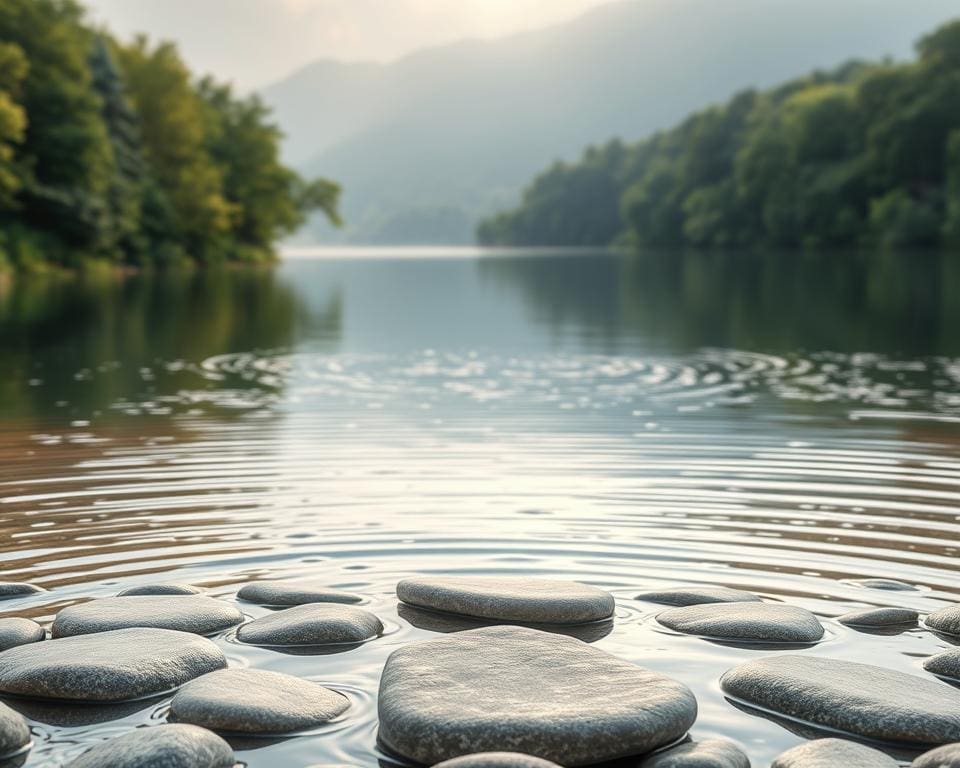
(500, 696)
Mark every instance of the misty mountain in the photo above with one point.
(427, 145)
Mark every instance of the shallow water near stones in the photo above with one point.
(350, 422)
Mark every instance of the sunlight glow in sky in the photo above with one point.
(255, 42)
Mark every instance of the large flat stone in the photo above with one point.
(748, 622)
(833, 753)
(520, 599)
(947, 756)
(14, 733)
(496, 760)
(713, 753)
(879, 617)
(313, 624)
(277, 593)
(15, 631)
(184, 613)
(522, 690)
(860, 699)
(256, 701)
(160, 589)
(681, 596)
(108, 666)
(160, 746)
(946, 664)
(13, 589)
(946, 620)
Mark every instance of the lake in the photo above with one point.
(783, 424)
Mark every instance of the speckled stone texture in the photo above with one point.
(184, 613)
(314, 624)
(947, 756)
(108, 666)
(160, 589)
(160, 746)
(256, 701)
(833, 753)
(713, 753)
(860, 699)
(12, 589)
(879, 617)
(946, 664)
(522, 690)
(681, 596)
(946, 620)
(14, 632)
(497, 760)
(749, 622)
(537, 601)
(14, 733)
(274, 593)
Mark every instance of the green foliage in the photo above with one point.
(114, 152)
(865, 155)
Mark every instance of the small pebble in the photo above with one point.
(277, 593)
(160, 589)
(312, 624)
(879, 617)
(682, 596)
(946, 664)
(13, 589)
(946, 620)
(833, 753)
(160, 746)
(891, 585)
(15, 631)
(947, 756)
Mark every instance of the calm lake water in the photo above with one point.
(782, 425)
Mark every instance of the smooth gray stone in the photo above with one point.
(946, 620)
(833, 753)
(160, 746)
(713, 753)
(184, 613)
(860, 699)
(891, 585)
(14, 733)
(15, 631)
(12, 589)
(528, 691)
(160, 589)
(879, 617)
(749, 622)
(108, 666)
(312, 624)
(256, 701)
(946, 664)
(681, 596)
(497, 760)
(273, 593)
(538, 601)
(947, 756)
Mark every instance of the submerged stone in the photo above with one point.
(519, 689)
(160, 589)
(860, 699)
(946, 664)
(160, 746)
(312, 624)
(184, 613)
(833, 753)
(273, 593)
(946, 620)
(891, 585)
(14, 733)
(108, 666)
(497, 760)
(256, 701)
(713, 753)
(12, 589)
(749, 622)
(682, 596)
(15, 631)
(537, 601)
(947, 756)
(879, 617)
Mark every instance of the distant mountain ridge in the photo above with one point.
(428, 145)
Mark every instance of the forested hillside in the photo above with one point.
(116, 152)
(865, 155)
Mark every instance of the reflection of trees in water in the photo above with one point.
(898, 304)
(95, 339)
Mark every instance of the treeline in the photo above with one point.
(867, 155)
(116, 152)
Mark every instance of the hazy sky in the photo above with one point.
(255, 42)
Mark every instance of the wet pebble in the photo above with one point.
(946, 664)
(749, 622)
(682, 596)
(14, 733)
(160, 589)
(713, 753)
(256, 701)
(275, 593)
(947, 756)
(523, 690)
(849, 697)
(160, 746)
(15, 631)
(108, 666)
(185, 613)
(12, 589)
(890, 585)
(521, 599)
(313, 624)
(879, 617)
(946, 620)
(497, 760)
(833, 753)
